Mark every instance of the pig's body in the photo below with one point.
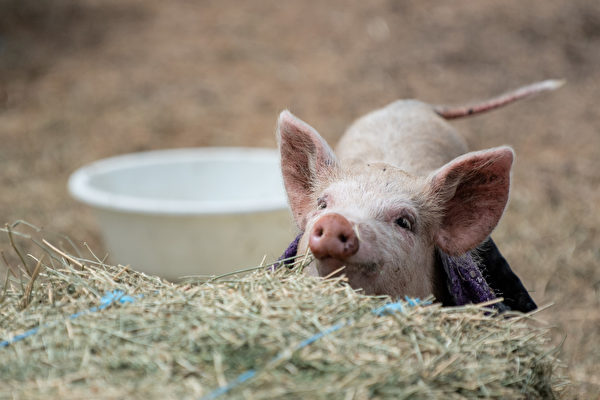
(407, 134)
(400, 187)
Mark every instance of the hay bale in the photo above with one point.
(165, 340)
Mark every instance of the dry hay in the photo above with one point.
(186, 340)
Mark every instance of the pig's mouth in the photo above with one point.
(333, 267)
(329, 266)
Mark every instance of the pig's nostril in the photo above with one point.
(343, 238)
(319, 232)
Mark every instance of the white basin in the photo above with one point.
(200, 211)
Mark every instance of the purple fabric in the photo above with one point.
(290, 252)
(464, 279)
(465, 282)
(502, 279)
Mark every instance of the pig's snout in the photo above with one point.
(332, 236)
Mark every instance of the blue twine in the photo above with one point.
(22, 336)
(319, 335)
(106, 300)
(224, 389)
(243, 377)
(386, 309)
(391, 308)
(118, 296)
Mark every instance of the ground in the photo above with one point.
(82, 80)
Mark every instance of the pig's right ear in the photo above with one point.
(472, 191)
(305, 158)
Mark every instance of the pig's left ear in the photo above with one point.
(471, 192)
(305, 159)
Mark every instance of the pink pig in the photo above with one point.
(400, 184)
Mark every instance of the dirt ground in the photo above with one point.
(85, 79)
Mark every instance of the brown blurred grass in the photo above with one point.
(81, 80)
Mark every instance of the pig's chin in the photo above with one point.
(355, 272)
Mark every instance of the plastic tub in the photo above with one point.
(200, 211)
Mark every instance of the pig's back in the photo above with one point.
(407, 134)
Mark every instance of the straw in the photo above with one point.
(260, 334)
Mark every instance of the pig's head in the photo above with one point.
(382, 224)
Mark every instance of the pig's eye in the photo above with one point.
(404, 223)
(321, 203)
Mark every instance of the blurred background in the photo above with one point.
(85, 79)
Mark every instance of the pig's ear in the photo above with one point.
(305, 158)
(471, 192)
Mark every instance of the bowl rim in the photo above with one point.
(80, 187)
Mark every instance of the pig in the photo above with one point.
(400, 188)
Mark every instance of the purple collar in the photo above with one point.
(465, 280)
